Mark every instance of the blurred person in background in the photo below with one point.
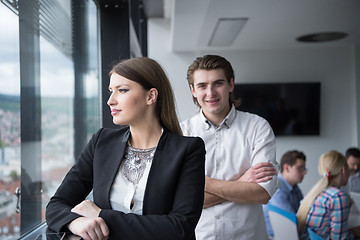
(289, 195)
(353, 160)
(325, 209)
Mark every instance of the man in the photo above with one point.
(353, 160)
(240, 154)
(289, 195)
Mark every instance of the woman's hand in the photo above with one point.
(89, 228)
(87, 209)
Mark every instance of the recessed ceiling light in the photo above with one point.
(226, 31)
(322, 37)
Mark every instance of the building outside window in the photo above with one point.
(49, 101)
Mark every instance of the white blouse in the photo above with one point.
(127, 193)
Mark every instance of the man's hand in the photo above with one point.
(89, 228)
(218, 191)
(261, 172)
(87, 209)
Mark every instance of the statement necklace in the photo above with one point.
(135, 161)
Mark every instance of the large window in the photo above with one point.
(49, 101)
(9, 122)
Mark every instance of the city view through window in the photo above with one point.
(9, 123)
(58, 100)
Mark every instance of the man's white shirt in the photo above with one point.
(241, 141)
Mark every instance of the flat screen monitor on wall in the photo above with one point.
(290, 108)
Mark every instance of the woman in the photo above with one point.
(147, 179)
(325, 209)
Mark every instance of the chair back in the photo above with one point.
(283, 223)
(313, 235)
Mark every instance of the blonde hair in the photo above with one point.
(149, 74)
(330, 166)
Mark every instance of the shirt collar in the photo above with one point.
(228, 120)
(287, 185)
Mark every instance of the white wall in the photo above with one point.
(356, 86)
(334, 68)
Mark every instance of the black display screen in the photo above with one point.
(290, 108)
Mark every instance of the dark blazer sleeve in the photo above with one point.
(75, 187)
(173, 197)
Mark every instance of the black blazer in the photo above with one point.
(173, 196)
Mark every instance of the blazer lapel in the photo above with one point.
(155, 173)
(113, 165)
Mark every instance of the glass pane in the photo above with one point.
(57, 115)
(49, 102)
(9, 122)
(92, 83)
(60, 100)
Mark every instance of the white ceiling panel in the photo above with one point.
(272, 24)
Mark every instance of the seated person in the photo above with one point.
(147, 179)
(289, 195)
(325, 209)
(353, 160)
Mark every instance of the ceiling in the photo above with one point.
(271, 24)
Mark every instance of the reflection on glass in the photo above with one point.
(68, 93)
(57, 115)
(9, 123)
